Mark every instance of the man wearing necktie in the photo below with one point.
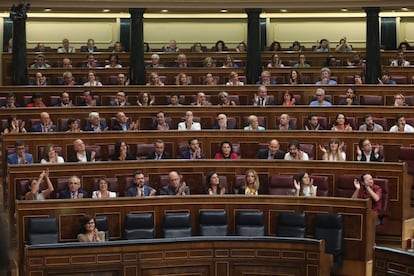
(272, 152)
(159, 151)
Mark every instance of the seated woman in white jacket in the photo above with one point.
(189, 124)
(103, 191)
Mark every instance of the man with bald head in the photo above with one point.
(176, 185)
(273, 151)
(45, 124)
(81, 153)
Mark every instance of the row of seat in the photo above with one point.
(328, 227)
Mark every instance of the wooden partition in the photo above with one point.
(390, 261)
(218, 256)
(357, 215)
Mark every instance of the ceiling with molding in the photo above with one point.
(210, 6)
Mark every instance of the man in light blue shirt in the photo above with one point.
(326, 77)
(320, 99)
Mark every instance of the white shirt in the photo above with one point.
(194, 126)
(59, 160)
(404, 64)
(305, 156)
(334, 158)
(407, 128)
(95, 194)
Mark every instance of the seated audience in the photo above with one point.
(154, 80)
(369, 124)
(147, 47)
(145, 99)
(11, 101)
(253, 124)
(295, 153)
(176, 185)
(39, 80)
(155, 61)
(401, 125)
(261, 98)
(201, 100)
(288, 99)
(295, 77)
(386, 78)
(66, 63)
(351, 97)
(320, 99)
(275, 62)
(90, 46)
(221, 122)
(73, 190)
(229, 62)
(103, 190)
(91, 62)
(224, 99)
(213, 184)
(95, 123)
(14, 126)
(220, 46)
(81, 153)
(273, 151)
(399, 100)
(189, 123)
(171, 47)
(334, 151)
(304, 185)
(404, 46)
(140, 188)
(356, 60)
(209, 62)
(121, 152)
(65, 100)
(302, 62)
(40, 47)
(34, 192)
(284, 123)
(66, 48)
(92, 80)
(175, 100)
(341, 123)
(197, 48)
(326, 77)
(120, 100)
(209, 80)
(322, 46)
(234, 80)
(226, 151)
(241, 47)
(193, 150)
(73, 125)
(400, 61)
(37, 100)
(68, 79)
(343, 46)
(251, 183)
(159, 151)
(312, 123)
(265, 78)
(118, 48)
(182, 61)
(275, 47)
(122, 79)
(182, 79)
(50, 156)
(40, 63)
(88, 231)
(366, 152)
(161, 123)
(366, 189)
(113, 61)
(20, 156)
(45, 124)
(122, 123)
(358, 78)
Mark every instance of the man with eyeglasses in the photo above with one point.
(366, 152)
(20, 156)
(320, 99)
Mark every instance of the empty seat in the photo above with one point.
(309, 149)
(103, 225)
(176, 225)
(249, 223)
(321, 181)
(383, 183)
(139, 226)
(291, 224)
(213, 223)
(143, 150)
(345, 186)
(329, 227)
(43, 230)
(371, 100)
(406, 154)
(281, 185)
(97, 149)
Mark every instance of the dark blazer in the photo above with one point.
(38, 128)
(67, 193)
(186, 154)
(152, 155)
(133, 191)
(85, 49)
(272, 81)
(291, 127)
(112, 103)
(88, 126)
(167, 190)
(128, 157)
(154, 125)
(117, 126)
(372, 157)
(271, 101)
(14, 159)
(264, 153)
(74, 158)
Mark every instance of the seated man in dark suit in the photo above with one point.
(89, 99)
(222, 122)
(193, 150)
(159, 152)
(284, 123)
(73, 191)
(140, 188)
(20, 156)
(45, 124)
(161, 123)
(261, 98)
(272, 152)
(95, 124)
(81, 154)
(176, 186)
(90, 47)
(122, 123)
(366, 152)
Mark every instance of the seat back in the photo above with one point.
(383, 183)
(322, 182)
(139, 226)
(309, 149)
(143, 150)
(371, 100)
(291, 224)
(249, 223)
(329, 227)
(43, 230)
(103, 225)
(345, 186)
(281, 185)
(176, 225)
(213, 223)
(406, 154)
